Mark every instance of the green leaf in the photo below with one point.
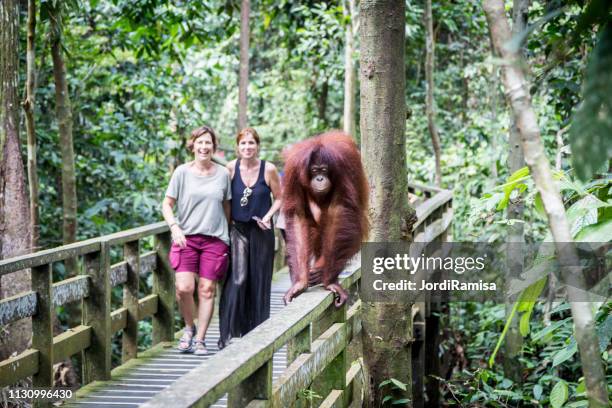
(539, 205)
(399, 384)
(581, 386)
(600, 232)
(549, 329)
(537, 391)
(387, 398)
(592, 122)
(524, 324)
(503, 334)
(559, 394)
(401, 401)
(514, 181)
(565, 353)
(578, 404)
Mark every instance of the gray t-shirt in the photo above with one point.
(199, 201)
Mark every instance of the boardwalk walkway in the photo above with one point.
(143, 378)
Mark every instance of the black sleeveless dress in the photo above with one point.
(245, 299)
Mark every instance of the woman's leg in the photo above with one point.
(232, 305)
(261, 264)
(206, 299)
(185, 286)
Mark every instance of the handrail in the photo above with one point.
(78, 248)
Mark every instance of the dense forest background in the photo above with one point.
(141, 74)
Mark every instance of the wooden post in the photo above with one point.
(330, 316)
(163, 286)
(333, 377)
(131, 253)
(298, 345)
(96, 314)
(418, 364)
(432, 363)
(258, 386)
(42, 328)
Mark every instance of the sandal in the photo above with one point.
(186, 340)
(199, 348)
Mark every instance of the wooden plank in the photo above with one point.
(333, 375)
(206, 384)
(148, 263)
(70, 290)
(119, 271)
(129, 347)
(148, 306)
(96, 314)
(353, 320)
(71, 342)
(163, 286)
(118, 319)
(308, 366)
(78, 248)
(42, 326)
(17, 307)
(258, 404)
(49, 256)
(423, 187)
(436, 228)
(19, 367)
(429, 206)
(352, 389)
(333, 400)
(121, 237)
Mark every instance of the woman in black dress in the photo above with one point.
(256, 196)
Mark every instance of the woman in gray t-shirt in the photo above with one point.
(201, 191)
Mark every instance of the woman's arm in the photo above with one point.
(177, 234)
(227, 209)
(231, 166)
(271, 176)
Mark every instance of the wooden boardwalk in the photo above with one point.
(144, 377)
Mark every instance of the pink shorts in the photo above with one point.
(207, 256)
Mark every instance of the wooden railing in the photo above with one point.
(317, 334)
(93, 288)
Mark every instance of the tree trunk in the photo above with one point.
(322, 102)
(517, 92)
(429, 102)
(387, 328)
(64, 118)
(515, 210)
(28, 107)
(349, 69)
(243, 80)
(14, 221)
